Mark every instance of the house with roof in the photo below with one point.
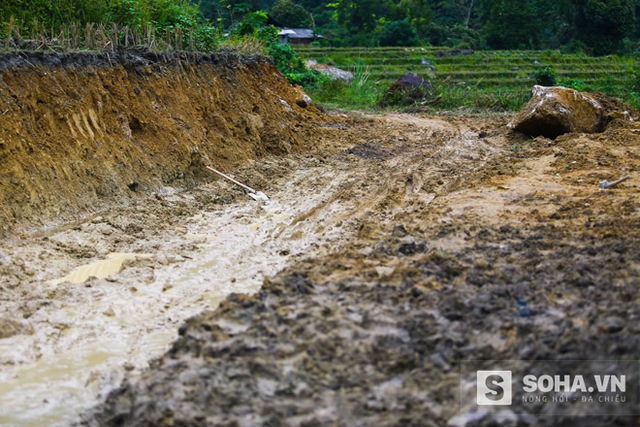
(298, 36)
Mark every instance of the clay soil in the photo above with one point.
(454, 247)
(394, 248)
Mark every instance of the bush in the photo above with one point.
(631, 47)
(398, 33)
(360, 93)
(409, 91)
(545, 76)
(635, 80)
(284, 58)
(291, 65)
(131, 13)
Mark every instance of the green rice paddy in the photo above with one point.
(480, 80)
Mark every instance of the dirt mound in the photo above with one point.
(81, 131)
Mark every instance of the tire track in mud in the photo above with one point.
(459, 249)
(73, 342)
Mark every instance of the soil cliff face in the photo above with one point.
(79, 131)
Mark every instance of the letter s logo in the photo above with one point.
(493, 388)
(496, 392)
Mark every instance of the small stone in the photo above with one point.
(611, 325)
(10, 328)
(399, 231)
(304, 101)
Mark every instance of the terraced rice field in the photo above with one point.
(506, 73)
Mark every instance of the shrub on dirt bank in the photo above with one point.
(283, 56)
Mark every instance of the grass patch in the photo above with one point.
(362, 93)
(480, 99)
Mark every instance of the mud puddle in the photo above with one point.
(456, 247)
(394, 192)
(92, 301)
(83, 327)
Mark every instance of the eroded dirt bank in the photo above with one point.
(461, 241)
(82, 131)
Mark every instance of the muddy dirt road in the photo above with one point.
(411, 244)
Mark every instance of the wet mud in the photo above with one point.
(394, 249)
(463, 247)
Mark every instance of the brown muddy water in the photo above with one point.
(103, 319)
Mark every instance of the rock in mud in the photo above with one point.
(554, 111)
(302, 99)
(409, 89)
(332, 72)
(10, 327)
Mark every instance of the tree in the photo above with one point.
(360, 15)
(398, 33)
(229, 12)
(290, 14)
(466, 8)
(446, 12)
(603, 24)
(637, 18)
(511, 24)
(236, 10)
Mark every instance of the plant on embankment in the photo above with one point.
(88, 25)
(360, 93)
(157, 25)
(254, 29)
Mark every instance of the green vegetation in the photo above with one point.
(596, 27)
(253, 28)
(545, 76)
(483, 80)
(399, 33)
(360, 93)
(86, 24)
(465, 73)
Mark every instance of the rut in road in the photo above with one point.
(183, 252)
